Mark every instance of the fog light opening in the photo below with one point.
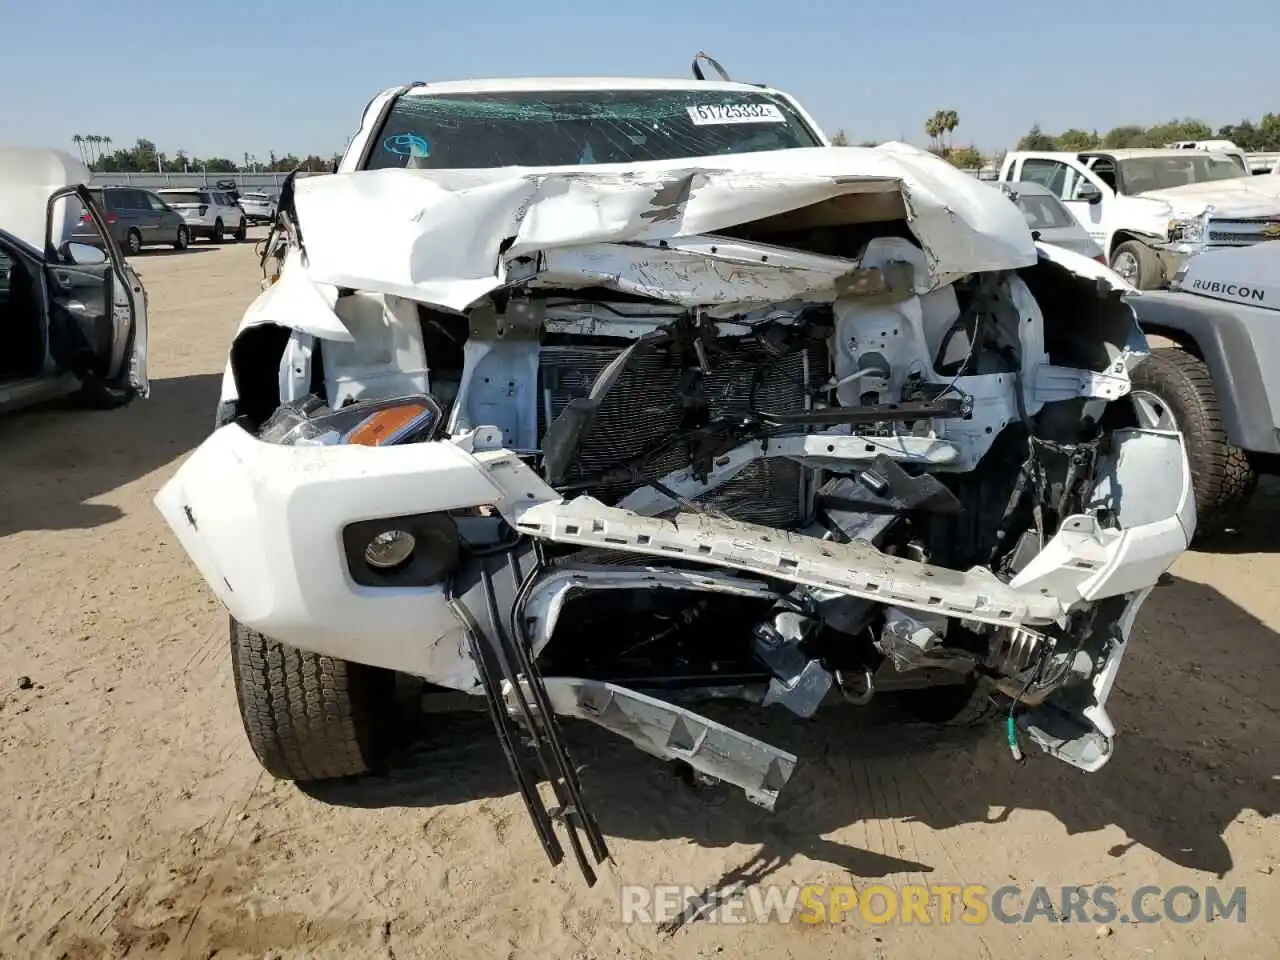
(390, 550)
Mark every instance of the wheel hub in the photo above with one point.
(1153, 412)
(1126, 264)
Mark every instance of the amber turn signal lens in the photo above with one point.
(385, 423)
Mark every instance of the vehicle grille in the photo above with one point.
(1243, 231)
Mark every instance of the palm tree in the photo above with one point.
(933, 127)
(950, 120)
(79, 142)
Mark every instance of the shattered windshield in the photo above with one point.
(569, 127)
(1143, 174)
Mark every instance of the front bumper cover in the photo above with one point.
(263, 524)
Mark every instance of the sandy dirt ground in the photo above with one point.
(134, 820)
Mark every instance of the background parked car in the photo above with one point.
(136, 218)
(259, 207)
(228, 187)
(73, 314)
(1220, 381)
(1047, 216)
(208, 212)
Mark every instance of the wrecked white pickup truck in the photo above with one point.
(607, 394)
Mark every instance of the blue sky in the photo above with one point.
(262, 75)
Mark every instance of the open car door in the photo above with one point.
(97, 305)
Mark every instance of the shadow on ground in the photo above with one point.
(1257, 527)
(58, 458)
(148, 252)
(1196, 705)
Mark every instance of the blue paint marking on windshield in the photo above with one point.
(407, 145)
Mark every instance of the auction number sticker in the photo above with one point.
(710, 114)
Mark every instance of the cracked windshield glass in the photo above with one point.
(582, 127)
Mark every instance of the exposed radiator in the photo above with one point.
(643, 410)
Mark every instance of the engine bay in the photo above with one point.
(953, 429)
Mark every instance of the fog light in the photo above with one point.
(390, 549)
(417, 550)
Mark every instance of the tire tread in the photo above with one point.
(1222, 476)
(308, 717)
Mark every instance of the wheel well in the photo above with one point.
(1119, 237)
(1181, 339)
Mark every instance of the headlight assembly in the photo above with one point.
(1187, 231)
(368, 423)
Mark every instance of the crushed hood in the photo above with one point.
(28, 178)
(1243, 197)
(448, 237)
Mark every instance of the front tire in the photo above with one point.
(1171, 389)
(242, 232)
(1138, 264)
(310, 717)
(219, 231)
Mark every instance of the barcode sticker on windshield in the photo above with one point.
(703, 116)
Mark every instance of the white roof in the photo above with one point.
(517, 84)
(1135, 153)
(28, 177)
(1130, 153)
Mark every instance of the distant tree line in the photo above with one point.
(1260, 137)
(143, 157)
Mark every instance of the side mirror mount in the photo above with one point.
(1089, 193)
(82, 254)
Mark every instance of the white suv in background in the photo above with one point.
(208, 212)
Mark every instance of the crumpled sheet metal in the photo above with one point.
(445, 237)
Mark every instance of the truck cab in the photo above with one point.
(1216, 146)
(1151, 209)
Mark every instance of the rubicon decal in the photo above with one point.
(1239, 291)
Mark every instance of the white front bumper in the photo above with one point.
(263, 523)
